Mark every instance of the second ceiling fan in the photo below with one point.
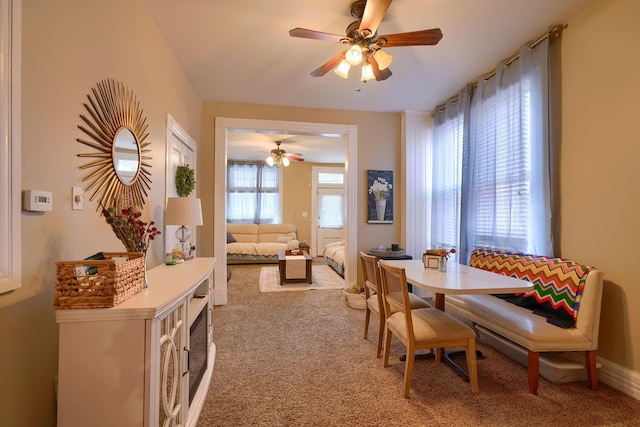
(365, 46)
(278, 156)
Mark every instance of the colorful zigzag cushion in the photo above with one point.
(558, 283)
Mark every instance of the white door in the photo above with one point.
(329, 207)
(181, 150)
(330, 217)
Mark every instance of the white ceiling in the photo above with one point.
(241, 51)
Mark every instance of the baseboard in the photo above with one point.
(620, 378)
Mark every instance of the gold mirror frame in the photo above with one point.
(112, 108)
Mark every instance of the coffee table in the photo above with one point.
(287, 256)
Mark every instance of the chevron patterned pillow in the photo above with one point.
(558, 283)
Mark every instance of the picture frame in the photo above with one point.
(379, 197)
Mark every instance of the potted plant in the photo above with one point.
(354, 297)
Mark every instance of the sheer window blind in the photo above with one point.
(253, 193)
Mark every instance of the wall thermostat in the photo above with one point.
(37, 201)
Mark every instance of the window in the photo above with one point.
(253, 193)
(447, 178)
(326, 179)
(491, 177)
(331, 209)
(502, 171)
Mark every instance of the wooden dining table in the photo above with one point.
(458, 279)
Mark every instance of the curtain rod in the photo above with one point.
(553, 32)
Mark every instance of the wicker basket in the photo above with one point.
(98, 283)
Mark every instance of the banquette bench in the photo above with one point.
(560, 314)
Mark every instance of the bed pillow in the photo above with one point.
(230, 238)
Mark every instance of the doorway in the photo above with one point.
(225, 125)
(328, 207)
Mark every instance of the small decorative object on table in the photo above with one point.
(134, 233)
(438, 258)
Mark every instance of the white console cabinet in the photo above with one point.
(145, 362)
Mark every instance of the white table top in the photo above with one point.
(459, 279)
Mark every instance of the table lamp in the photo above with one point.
(183, 211)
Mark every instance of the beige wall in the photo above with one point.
(600, 150)
(378, 148)
(297, 197)
(68, 46)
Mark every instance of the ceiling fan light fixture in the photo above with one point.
(354, 55)
(343, 69)
(285, 162)
(270, 161)
(367, 72)
(383, 59)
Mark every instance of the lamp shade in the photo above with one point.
(367, 72)
(343, 69)
(183, 211)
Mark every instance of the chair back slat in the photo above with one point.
(370, 274)
(395, 291)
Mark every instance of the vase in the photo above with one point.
(381, 207)
(442, 265)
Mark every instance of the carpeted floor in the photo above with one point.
(299, 359)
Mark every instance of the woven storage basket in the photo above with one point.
(98, 283)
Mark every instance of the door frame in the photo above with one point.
(224, 125)
(315, 188)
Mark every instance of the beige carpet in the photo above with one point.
(322, 277)
(299, 359)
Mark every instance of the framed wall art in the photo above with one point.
(379, 197)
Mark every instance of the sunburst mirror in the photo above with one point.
(117, 130)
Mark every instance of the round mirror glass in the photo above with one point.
(126, 156)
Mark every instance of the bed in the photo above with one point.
(334, 255)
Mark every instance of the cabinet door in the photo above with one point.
(172, 388)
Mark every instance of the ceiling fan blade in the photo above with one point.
(328, 66)
(373, 13)
(377, 72)
(295, 158)
(316, 35)
(415, 38)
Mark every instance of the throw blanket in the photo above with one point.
(296, 267)
(558, 283)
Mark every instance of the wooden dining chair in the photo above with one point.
(421, 328)
(373, 296)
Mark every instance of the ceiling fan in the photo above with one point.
(365, 44)
(278, 156)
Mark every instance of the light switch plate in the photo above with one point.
(76, 198)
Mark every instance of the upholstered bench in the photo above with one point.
(561, 313)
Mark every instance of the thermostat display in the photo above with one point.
(37, 201)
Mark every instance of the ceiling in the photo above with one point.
(241, 51)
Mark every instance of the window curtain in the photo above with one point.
(508, 198)
(450, 124)
(253, 193)
(491, 163)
